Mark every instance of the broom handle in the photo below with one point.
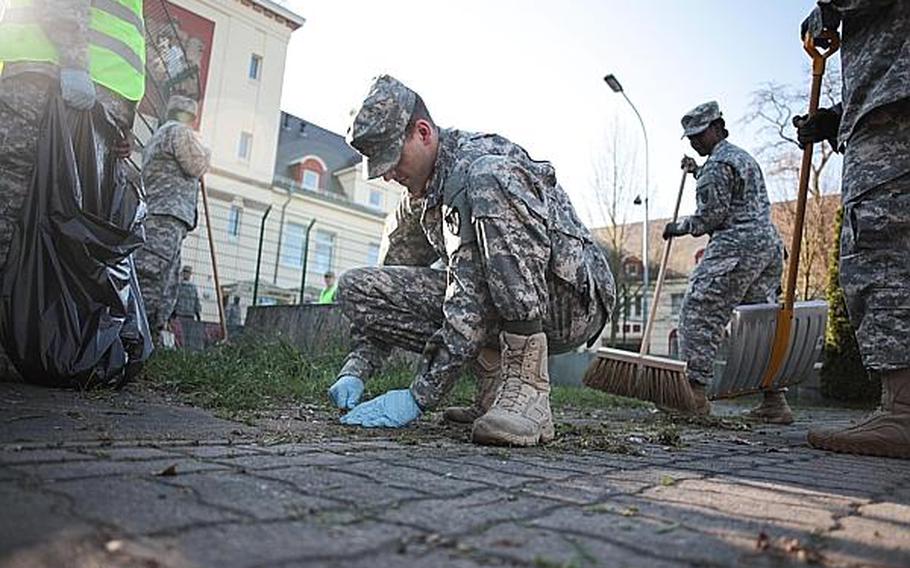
(208, 227)
(649, 327)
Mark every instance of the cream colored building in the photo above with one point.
(242, 123)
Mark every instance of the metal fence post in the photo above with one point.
(306, 252)
(259, 254)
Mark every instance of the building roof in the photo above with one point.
(298, 139)
(277, 12)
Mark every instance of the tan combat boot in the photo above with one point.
(520, 415)
(773, 409)
(886, 432)
(488, 376)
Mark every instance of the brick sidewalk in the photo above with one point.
(129, 480)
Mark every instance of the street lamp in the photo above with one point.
(616, 87)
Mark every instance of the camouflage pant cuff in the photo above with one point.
(699, 379)
(426, 398)
(356, 366)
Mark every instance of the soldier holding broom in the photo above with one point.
(742, 263)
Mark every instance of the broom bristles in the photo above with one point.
(666, 388)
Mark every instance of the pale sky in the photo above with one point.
(533, 71)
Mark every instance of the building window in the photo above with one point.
(676, 303)
(310, 180)
(325, 252)
(673, 343)
(292, 245)
(636, 328)
(233, 221)
(373, 254)
(255, 66)
(632, 268)
(245, 148)
(376, 198)
(637, 306)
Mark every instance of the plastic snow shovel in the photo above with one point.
(790, 359)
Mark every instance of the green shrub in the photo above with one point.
(843, 377)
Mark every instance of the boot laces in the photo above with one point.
(512, 393)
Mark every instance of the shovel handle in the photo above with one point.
(784, 323)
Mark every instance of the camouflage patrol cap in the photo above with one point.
(699, 118)
(379, 126)
(182, 103)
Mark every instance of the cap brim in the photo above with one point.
(380, 163)
(694, 131)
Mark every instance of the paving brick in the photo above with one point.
(138, 506)
(536, 546)
(50, 472)
(461, 514)
(261, 498)
(10, 456)
(341, 486)
(295, 543)
(440, 485)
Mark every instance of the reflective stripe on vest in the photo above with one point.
(116, 43)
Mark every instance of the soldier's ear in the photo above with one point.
(424, 131)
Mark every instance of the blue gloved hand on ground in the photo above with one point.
(394, 409)
(346, 392)
(77, 88)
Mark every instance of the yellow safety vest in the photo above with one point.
(116, 43)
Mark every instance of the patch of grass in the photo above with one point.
(256, 374)
(582, 398)
(252, 375)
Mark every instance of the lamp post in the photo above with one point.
(616, 87)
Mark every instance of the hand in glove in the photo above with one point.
(689, 165)
(674, 230)
(394, 409)
(346, 392)
(77, 88)
(823, 125)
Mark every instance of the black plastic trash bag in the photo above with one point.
(71, 313)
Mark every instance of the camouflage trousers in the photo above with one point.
(158, 267)
(728, 275)
(875, 273)
(402, 306)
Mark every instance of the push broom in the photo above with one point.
(639, 375)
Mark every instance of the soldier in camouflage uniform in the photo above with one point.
(522, 277)
(742, 263)
(187, 305)
(27, 83)
(871, 127)
(172, 163)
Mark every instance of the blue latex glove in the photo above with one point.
(394, 409)
(77, 88)
(346, 392)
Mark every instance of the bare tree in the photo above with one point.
(615, 183)
(772, 108)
